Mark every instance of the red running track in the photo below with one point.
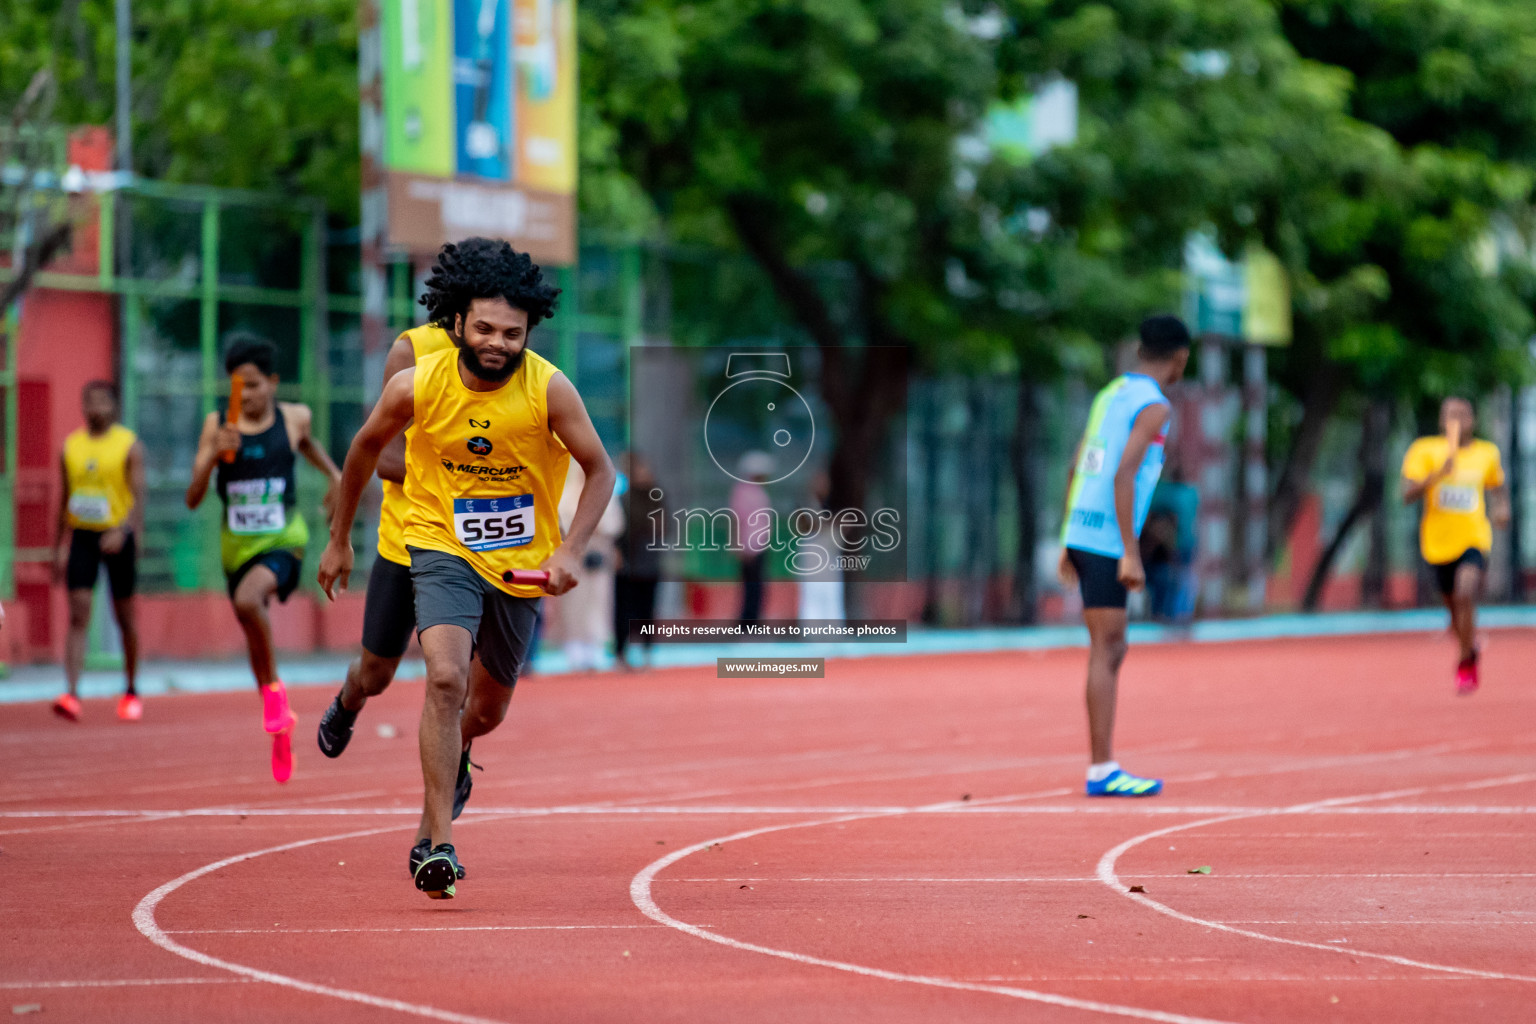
(902, 841)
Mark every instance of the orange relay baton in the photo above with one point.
(232, 417)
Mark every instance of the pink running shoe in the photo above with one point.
(1466, 676)
(130, 708)
(282, 756)
(67, 705)
(277, 717)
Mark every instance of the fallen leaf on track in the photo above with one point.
(20, 1008)
(1138, 888)
(1203, 869)
(1081, 916)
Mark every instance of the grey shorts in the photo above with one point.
(449, 592)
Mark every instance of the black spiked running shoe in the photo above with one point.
(335, 730)
(463, 784)
(421, 851)
(435, 875)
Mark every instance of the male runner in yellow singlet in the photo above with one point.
(493, 427)
(389, 610)
(101, 517)
(262, 536)
(1451, 474)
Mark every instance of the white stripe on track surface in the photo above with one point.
(1107, 875)
(640, 893)
(144, 920)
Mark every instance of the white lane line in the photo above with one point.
(1234, 812)
(392, 931)
(640, 892)
(121, 983)
(1218, 978)
(1090, 878)
(1427, 924)
(1107, 875)
(144, 920)
(1195, 878)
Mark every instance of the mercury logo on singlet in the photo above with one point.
(492, 472)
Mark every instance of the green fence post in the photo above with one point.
(208, 338)
(315, 330)
(566, 328)
(632, 327)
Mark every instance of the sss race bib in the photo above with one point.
(256, 506)
(487, 524)
(1450, 498)
(90, 508)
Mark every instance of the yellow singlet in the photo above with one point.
(97, 467)
(1455, 516)
(484, 471)
(424, 341)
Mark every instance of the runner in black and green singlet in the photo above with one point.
(263, 534)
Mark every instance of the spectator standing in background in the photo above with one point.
(751, 507)
(639, 561)
(586, 613)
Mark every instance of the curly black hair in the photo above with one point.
(484, 268)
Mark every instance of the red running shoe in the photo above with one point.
(130, 708)
(282, 756)
(67, 705)
(1466, 676)
(276, 715)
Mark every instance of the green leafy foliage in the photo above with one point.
(238, 93)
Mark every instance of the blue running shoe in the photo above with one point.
(1123, 783)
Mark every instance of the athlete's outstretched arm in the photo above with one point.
(1064, 568)
(569, 420)
(217, 438)
(1497, 499)
(314, 453)
(389, 417)
(402, 356)
(1149, 423)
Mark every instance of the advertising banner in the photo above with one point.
(475, 108)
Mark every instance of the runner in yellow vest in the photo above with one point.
(263, 534)
(101, 517)
(1459, 484)
(389, 610)
(493, 426)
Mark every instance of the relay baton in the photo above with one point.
(526, 577)
(232, 417)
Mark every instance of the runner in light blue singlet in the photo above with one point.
(1091, 523)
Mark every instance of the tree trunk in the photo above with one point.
(1322, 395)
(1026, 486)
(862, 389)
(1367, 503)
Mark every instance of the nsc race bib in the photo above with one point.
(256, 506)
(488, 524)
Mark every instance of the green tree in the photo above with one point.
(807, 134)
(239, 93)
(1400, 296)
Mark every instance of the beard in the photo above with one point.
(473, 364)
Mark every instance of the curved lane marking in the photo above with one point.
(1107, 874)
(640, 893)
(144, 920)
